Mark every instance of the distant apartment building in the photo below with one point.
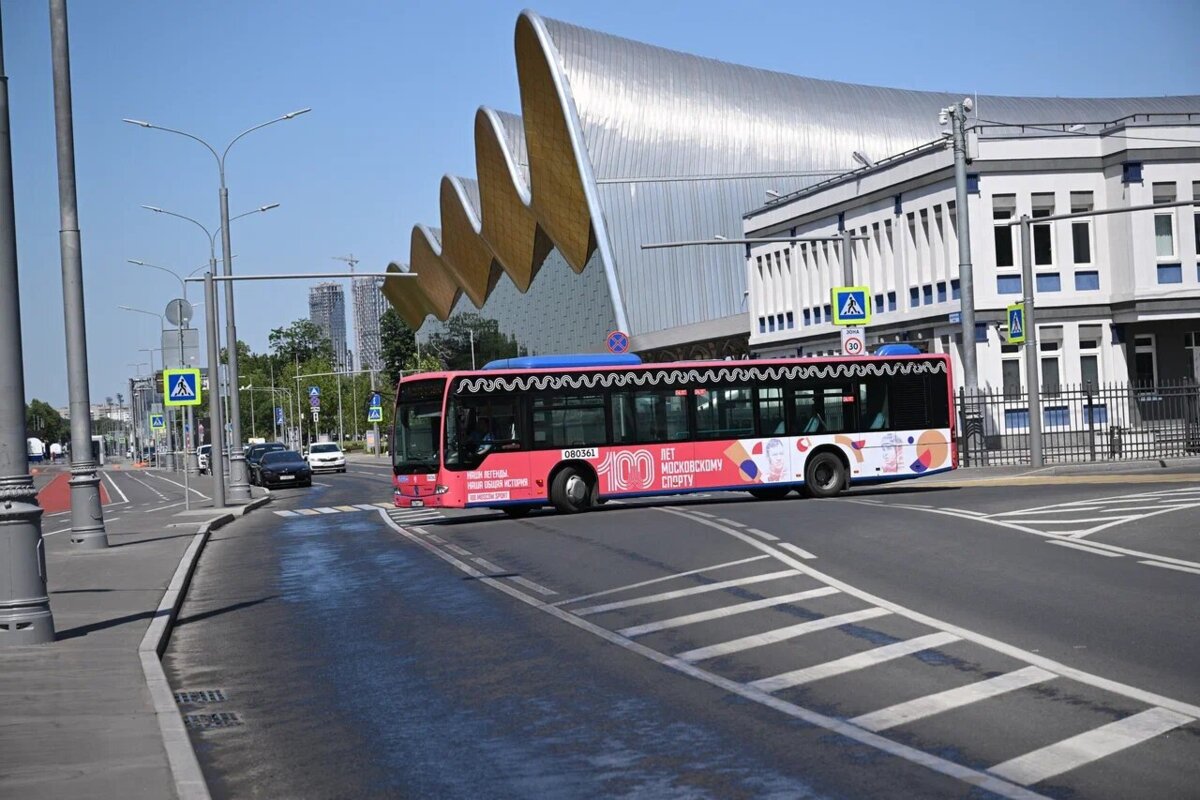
(369, 305)
(327, 310)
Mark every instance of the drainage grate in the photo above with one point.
(223, 719)
(200, 696)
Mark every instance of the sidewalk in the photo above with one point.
(1141, 471)
(84, 717)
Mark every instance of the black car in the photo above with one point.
(284, 468)
(254, 454)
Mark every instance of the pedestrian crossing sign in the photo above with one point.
(1016, 324)
(181, 387)
(156, 422)
(375, 414)
(851, 305)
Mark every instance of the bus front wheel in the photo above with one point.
(824, 475)
(571, 491)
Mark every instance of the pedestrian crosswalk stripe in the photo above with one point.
(781, 634)
(367, 506)
(726, 611)
(346, 508)
(286, 513)
(326, 510)
(711, 587)
(308, 512)
(857, 661)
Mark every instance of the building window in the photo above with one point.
(1145, 361)
(828, 312)
(941, 289)
(954, 290)
(1131, 172)
(807, 317)
(770, 324)
(791, 320)
(1008, 284)
(1164, 235)
(1049, 282)
(1050, 377)
(1043, 239)
(914, 297)
(1011, 370)
(1004, 207)
(1081, 229)
(891, 298)
(1089, 370)
(1087, 281)
(1191, 341)
(878, 303)
(762, 324)
(927, 294)
(1170, 273)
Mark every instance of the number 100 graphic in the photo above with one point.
(628, 470)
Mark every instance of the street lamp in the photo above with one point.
(956, 116)
(239, 487)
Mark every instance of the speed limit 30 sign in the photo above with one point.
(854, 340)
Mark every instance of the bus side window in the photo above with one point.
(873, 406)
(622, 419)
(770, 411)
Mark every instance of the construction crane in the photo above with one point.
(357, 322)
(350, 259)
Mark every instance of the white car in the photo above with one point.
(326, 457)
(202, 458)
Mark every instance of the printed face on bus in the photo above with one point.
(776, 460)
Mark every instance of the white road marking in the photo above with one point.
(180, 485)
(734, 523)
(319, 483)
(702, 514)
(639, 585)
(967, 511)
(1116, 687)
(537, 587)
(1170, 566)
(366, 506)
(286, 513)
(346, 508)
(855, 662)
(763, 534)
(726, 611)
(780, 634)
(116, 488)
(421, 531)
(921, 707)
(1085, 748)
(800, 551)
(435, 538)
(368, 474)
(483, 562)
(983, 780)
(327, 510)
(161, 496)
(1085, 548)
(658, 598)
(386, 505)
(453, 548)
(308, 512)
(60, 530)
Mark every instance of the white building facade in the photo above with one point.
(327, 310)
(1117, 296)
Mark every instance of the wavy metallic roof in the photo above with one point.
(622, 143)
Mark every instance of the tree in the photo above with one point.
(301, 341)
(469, 330)
(426, 363)
(42, 421)
(399, 343)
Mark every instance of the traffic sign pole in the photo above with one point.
(1032, 378)
(216, 455)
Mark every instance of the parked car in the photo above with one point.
(326, 456)
(202, 458)
(283, 468)
(254, 454)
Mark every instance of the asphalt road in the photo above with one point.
(915, 642)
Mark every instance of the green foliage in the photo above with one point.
(42, 421)
(399, 345)
(426, 363)
(300, 342)
(462, 331)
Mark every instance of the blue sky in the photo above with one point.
(394, 87)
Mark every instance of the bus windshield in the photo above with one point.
(418, 427)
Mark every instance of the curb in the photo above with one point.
(181, 756)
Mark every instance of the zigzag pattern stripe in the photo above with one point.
(676, 377)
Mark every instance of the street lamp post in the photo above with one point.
(87, 514)
(239, 486)
(25, 616)
(956, 115)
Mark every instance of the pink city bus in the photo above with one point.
(574, 431)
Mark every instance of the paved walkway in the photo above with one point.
(78, 718)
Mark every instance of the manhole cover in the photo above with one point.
(223, 719)
(200, 697)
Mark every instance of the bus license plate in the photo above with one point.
(418, 503)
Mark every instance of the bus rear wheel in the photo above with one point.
(824, 475)
(571, 491)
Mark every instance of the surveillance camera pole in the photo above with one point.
(966, 273)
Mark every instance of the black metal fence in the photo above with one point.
(1081, 423)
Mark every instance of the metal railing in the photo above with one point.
(1105, 422)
